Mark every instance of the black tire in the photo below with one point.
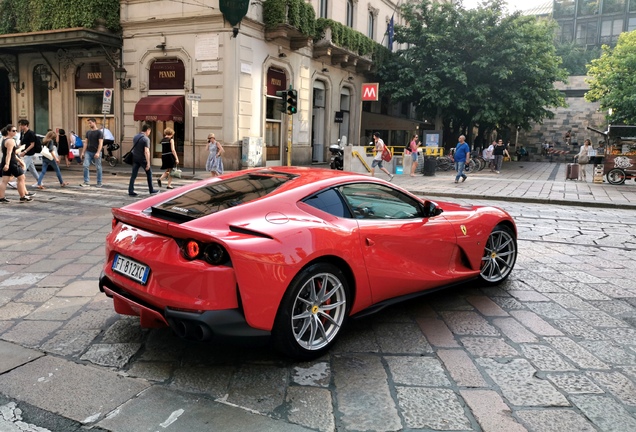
(616, 176)
(112, 161)
(311, 315)
(500, 255)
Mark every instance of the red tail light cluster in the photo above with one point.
(213, 253)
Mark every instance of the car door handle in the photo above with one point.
(370, 242)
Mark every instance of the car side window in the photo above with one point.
(330, 202)
(375, 201)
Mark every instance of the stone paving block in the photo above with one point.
(514, 331)
(70, 342)
(311, 407)
(468, 323)
(584, 291)
(555, 420)
(22, 280)
(8, 295)
(213, 382)
(528, 295)
(31, 333)
(545, 358)
(73, 386)
(614, 307)
(111, 355)
(317, 374)
(12, 311)
(600, 319)
(488, 347)
(624, 336)
(617, 384)
(123, 330)
(508, 303)
(437, 333)
(58, 309)
(363, 395)
(491, 412)
(574, 383)
(162, 345)
(607, 414)
(429, 408)
(610, 352)
(258, 387)
(486, 306)
(417, 371)
(519, 384)
(570, 301)
(152, 371)
(14, 355)
(535, 323)
(36, 295)
(82, 288)
(401, 338)
(461, 368)
(579, 329)
(575, 353)
(54, 281)
(358, 339)
(550, 310)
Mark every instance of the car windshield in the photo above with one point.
(215, 197)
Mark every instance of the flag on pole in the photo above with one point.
(390, 32)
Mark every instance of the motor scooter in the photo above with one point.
(337, 154)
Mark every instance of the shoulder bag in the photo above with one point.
(386, 154)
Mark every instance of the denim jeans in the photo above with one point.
(45, 166)
(459, 167)
(28, 161)
(133, 177)
(88, 158)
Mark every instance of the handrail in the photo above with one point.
(359, 156)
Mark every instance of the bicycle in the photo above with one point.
(110, 158)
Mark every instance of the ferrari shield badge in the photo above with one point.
(463, 228)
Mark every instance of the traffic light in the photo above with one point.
(280, 104)
(292, 101)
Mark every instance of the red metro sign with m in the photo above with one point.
(370, 92)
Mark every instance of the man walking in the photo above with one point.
(29, 141)
(462, 157)
(92, 152)
(377, 160)
(141, 157)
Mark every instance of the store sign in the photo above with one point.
(167, 75)
(276, 81)
(94, 76)
(339, 117)
(234, 10)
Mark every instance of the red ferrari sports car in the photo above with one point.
(290, 253)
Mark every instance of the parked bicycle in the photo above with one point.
(110, 158)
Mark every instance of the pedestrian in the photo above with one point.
(49, 142)
(141, 158)
(214, 163)
(414, 145)
(92, 153)
(76, 144)
(499, 152)
(462, 157)
(63, 148)
(489, 157)
(169, 158)
(377, 159)
(583, 158)
(12, 165)
(568, 137)
(31, 144)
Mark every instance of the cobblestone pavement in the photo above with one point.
(552, 349)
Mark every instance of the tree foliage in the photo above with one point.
(613, 80)
(576, 57)
(475, 67)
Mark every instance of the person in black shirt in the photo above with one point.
(92, 152)
(11, 165)
(27, 139)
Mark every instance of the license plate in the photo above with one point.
(130, 268)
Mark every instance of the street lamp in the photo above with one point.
(14, 79)
(45, 76)
(120, 75)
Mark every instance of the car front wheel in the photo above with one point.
(312, 312)
(500, 255)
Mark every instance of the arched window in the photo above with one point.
(350, 13)
(371, 25)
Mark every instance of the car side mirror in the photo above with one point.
(432, 209)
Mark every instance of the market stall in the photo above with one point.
(618, 158)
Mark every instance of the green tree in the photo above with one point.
(474, 67)
(576, 57)
(612, 80)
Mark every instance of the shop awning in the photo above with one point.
(160, 108)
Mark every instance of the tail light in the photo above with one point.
(191, 250)
(213, 253)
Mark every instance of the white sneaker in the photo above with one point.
(13, 184)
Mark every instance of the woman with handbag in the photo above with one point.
(169, 158)
(583, 158)
(50, 158)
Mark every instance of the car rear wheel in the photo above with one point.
(500, 255)
(312, 313)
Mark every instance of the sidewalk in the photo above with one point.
(538, 182)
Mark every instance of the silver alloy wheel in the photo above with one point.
(499, 257)
(319, 311)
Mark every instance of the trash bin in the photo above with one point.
(430, 163)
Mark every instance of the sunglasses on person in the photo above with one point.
(14, 130)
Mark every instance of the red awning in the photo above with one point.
(160, 108)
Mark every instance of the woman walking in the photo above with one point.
(63, 147)
(12, 165)
(214, 163)
(413, 146)
(583, 158)
(169, 158)
(49, 142)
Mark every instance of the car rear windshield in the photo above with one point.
(215, 197)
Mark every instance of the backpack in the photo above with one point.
(37, 145)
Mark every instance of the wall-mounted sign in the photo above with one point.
(339, 117)
(93, 76)
(167, 75)
(206, 46)
(370, 91)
